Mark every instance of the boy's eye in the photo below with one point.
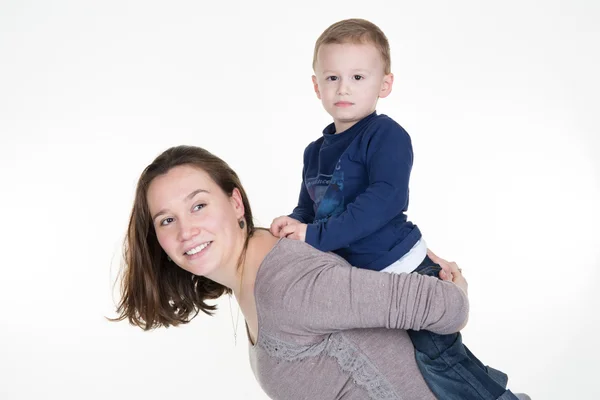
(332, 78)
(358, 77)
(166, 221)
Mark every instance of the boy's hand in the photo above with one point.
(294, 231)
(280, 222)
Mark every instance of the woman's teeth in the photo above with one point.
(197, 249)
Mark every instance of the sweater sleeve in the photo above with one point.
(332, 296)
(304, 211)
(388, 161)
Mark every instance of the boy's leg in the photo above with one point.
(449, 368)
(428, 267)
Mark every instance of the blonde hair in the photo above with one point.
(356, 31)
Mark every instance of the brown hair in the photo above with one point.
(356, 31)
(154, 291)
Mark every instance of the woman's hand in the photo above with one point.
(450, 272)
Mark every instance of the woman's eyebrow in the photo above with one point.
(195, 192)
(188, 197)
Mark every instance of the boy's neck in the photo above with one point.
(343, 126)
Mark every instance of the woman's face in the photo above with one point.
(195, 221)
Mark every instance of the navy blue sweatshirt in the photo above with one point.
(354, 193)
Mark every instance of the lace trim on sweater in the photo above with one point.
(348, 357)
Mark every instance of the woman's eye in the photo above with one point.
(166, 221)
(199, 207)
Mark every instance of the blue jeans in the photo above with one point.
(451, 371)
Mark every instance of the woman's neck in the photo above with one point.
(259, 245)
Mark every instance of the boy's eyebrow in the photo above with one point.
(328, 72)
(188, 197)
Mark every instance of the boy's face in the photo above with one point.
(349, 79)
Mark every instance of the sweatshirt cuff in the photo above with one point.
(312, 232)
(296, 217)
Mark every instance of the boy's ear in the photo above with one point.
(386, 86)
(316, 86)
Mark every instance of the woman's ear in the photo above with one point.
(238, 203)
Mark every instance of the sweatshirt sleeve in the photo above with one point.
(388, 160)
(333, 296)
(304, 211)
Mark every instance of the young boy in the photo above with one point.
(354, 194)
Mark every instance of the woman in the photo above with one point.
(318, 328)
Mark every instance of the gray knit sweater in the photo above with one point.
(327, 330)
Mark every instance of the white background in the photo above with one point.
(500, 98)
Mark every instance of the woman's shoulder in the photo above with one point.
(289, 289)
(287, 263)
(294, 254)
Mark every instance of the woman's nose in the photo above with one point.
(187, 230)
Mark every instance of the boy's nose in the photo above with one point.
(343, 87)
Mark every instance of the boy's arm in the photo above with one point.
(304, 211)
(388, 162)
